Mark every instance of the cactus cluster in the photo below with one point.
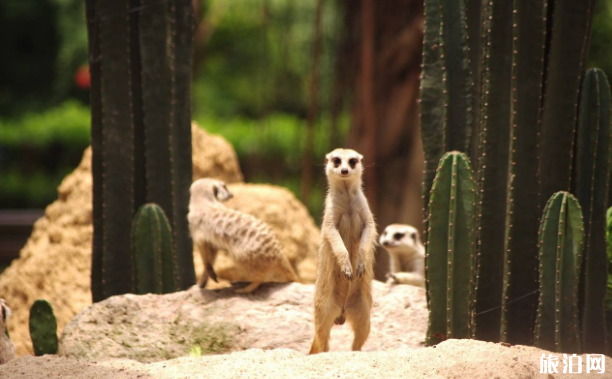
(43, 328)
(152, 254)
(530, 130)
(140, 54)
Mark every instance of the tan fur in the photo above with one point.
(250, 243)
(346, 254)
(7, 349)
(407, 255)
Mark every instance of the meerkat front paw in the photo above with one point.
(347, 271)
(360, 269)
(391, 279)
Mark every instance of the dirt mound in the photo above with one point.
(294, 227)
(156, 327)
(460, 359)
(55, 263)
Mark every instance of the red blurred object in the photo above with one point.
(82, 77)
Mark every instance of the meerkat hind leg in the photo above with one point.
(324, 319)
(250, 288)
(358, 316)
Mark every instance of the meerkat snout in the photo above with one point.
(343, 164)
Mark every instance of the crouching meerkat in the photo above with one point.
(346, 253)
(7, 349)
(407, 254)
(249, 242)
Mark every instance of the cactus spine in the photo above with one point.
(561, 244)
(592, 186)
(154, 263)
(140, 59)
(43, 328)
(450, 258)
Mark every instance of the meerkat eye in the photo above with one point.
(398, 236)
(414, 237)
(336, 161)
(353, 162)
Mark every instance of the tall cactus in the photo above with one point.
(154, 263)
(591, 187)
(140, 59)
(446, 85)
(450, 250)
(561, 244)
(568, 46)
(43, 328)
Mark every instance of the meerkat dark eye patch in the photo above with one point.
(215, 191)
(414, 237)
(353, 162)
(398, 236)
(3, 312)
(336, 161)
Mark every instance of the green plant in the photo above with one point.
(523, 127)
(140, 64)
(43, 328)
(591, 187)
(450, 250)
(152, 253)
(561, 246)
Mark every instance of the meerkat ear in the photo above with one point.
(360, 156)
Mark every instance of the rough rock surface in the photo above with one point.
(55, 263)
(154, 327)
(451, 359)
(294, 227)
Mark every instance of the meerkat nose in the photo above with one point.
(344, 171)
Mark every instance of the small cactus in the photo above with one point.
(152, 253)
(561, 244)
(43, 328)
(450, 250)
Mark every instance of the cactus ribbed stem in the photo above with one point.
(592, 186)
(450, 251)
(522, 204)
(561, 244)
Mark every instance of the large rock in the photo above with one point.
(458, 359)
(55, 263)
(294, 227)
(154, 327)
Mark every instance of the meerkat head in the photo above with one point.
(398, 236)
(209, 190)
(5, 311)
(344, 164)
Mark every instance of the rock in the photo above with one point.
(294, 227)
(459, 359)
(55, 262)
(149, 328)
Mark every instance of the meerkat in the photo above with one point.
(249, 242)
(346, 253)
(407, 254)
(7, 349)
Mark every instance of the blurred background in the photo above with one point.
(285, 81)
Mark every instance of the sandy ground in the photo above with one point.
(451, 359)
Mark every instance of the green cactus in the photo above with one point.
(43, 328)
(561, 245)
(154, 263)
(140, 62)
(450, 250)
(446, 85)
(568, 46)
(591, 188)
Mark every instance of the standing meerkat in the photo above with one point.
(346, 253)
(249, 242)
(407, 254)
(7, 349)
